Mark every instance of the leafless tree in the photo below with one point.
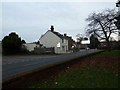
(102, 24)
(79, 38)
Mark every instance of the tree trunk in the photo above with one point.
(108, 45)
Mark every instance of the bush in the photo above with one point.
(11, 44)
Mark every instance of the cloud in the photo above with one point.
(57, 0)
(33, 18)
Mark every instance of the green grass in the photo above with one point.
(109, 53)
(93, 77)
(89, 78)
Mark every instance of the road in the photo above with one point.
(15, 65)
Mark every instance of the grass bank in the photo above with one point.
(109, 53)
(99, 71)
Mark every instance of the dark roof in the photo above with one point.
(59, 35)
(62, 36)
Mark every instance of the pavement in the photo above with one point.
(16, 65)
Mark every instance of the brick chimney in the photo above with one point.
(52, 28)
(65, 34)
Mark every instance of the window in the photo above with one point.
(63, 48)
(62, 40)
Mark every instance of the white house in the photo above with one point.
(30, 46)
(54, 39)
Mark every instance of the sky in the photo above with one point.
(30, 20)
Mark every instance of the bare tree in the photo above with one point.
(118, 22)
(79, 38)
(102, 24)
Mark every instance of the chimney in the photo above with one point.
(52, 28)
(65, 34)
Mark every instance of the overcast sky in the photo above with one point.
(32, 19)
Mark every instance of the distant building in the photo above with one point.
(60, 43)
(30, 46)
(84, 44)
(71, 42)
(113, 45)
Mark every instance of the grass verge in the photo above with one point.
(109, 53)
(91, 72)
(94, 77)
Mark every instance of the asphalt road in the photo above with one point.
(15, 65)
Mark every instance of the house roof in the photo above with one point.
(59, 35)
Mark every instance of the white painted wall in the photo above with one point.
(52, 40)
(30, 46)
(65, 44)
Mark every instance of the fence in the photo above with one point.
(44, 50)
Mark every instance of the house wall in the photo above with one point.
(44, 50)
(70, 42)
(119, 10)
(64, 46)
(51, 40)
(30, 46)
